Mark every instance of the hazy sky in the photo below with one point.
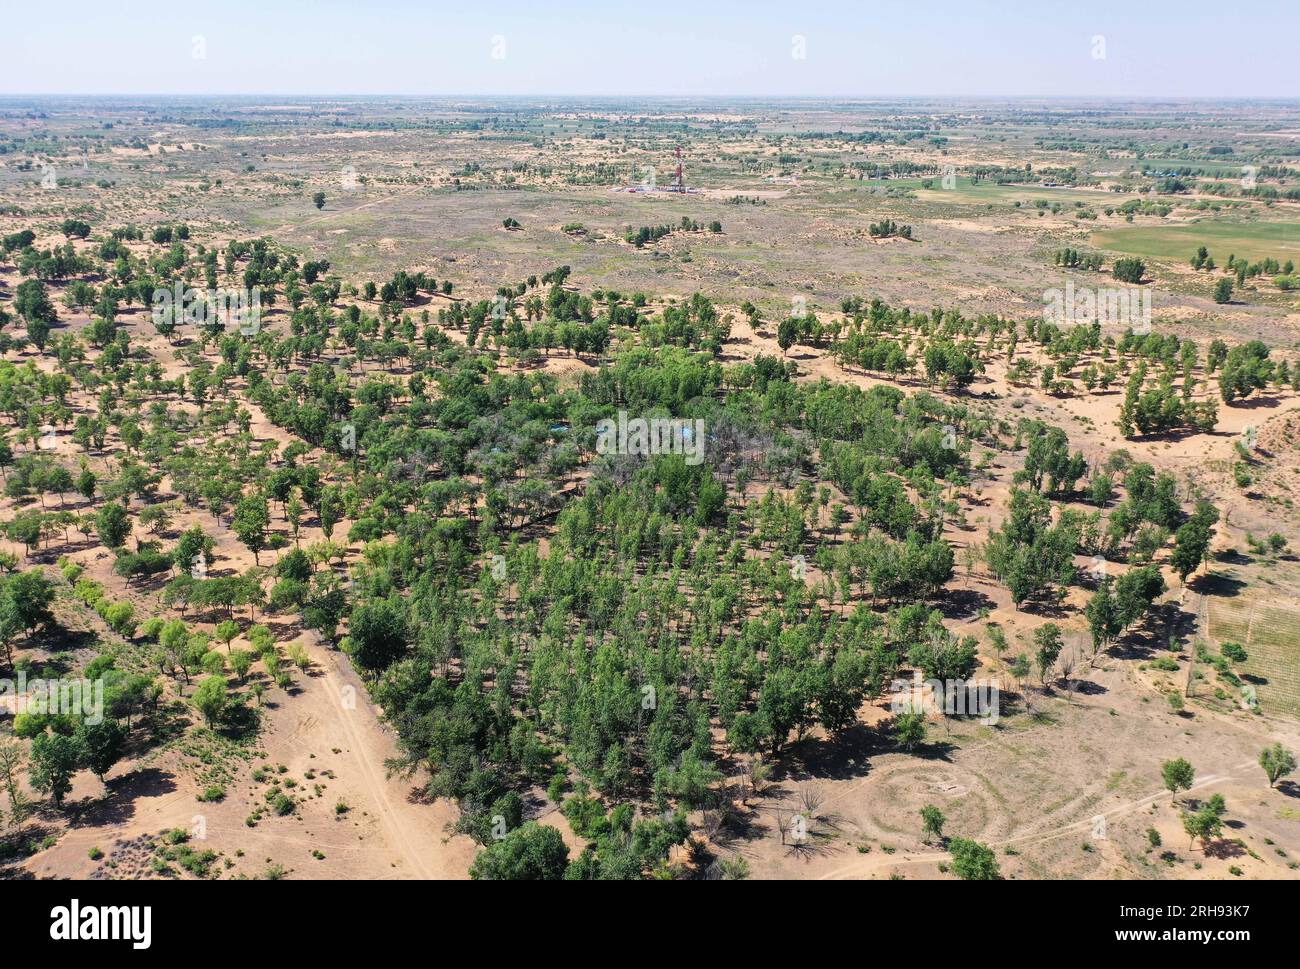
(663, 47)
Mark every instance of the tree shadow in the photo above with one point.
(117, 806)
(739, 824)
(1216, 584)
(1224, 848)
(1255, 402)
(1048, 608)
(837, 757)
(1142, 643)
(59, 640)
(241, 722)
(18, 845)
(963, 603)
(1086, 687)
(168, 722)
(815, 844)
(1231, 556)
(420, 794)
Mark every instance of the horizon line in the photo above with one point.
(667, 97)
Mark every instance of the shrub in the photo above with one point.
(213, 792)
(120, 617)
(88, 591)
(973, 861)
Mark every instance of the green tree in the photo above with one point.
(86, 482)
(531, 852)
(1246, 368)
(1135, 591)
(1020, 667)
(1178, 775)
(1277, 762)
(1235, 652)
(210, 698)
(55, 759)
(27, 528)
(103, 745)
(787, 332)
(1103, 618)
(241, 661)
(251, 520)
(1192, 541)
(932, 821)
(378, 632)
(1047, 640)
(11, 763)
(113, 525)
(1129, 270)
(192, 546)
(32, 303)
(733, 868)
(25, 599)
(909, 729)
(1204, 824)
(226, 631)
(972, 861)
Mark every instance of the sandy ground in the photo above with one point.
(1087, 775)
(328, 724)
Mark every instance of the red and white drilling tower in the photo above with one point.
(648, 183)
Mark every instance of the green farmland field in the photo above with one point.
(1249, 240)
(1270, 632)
